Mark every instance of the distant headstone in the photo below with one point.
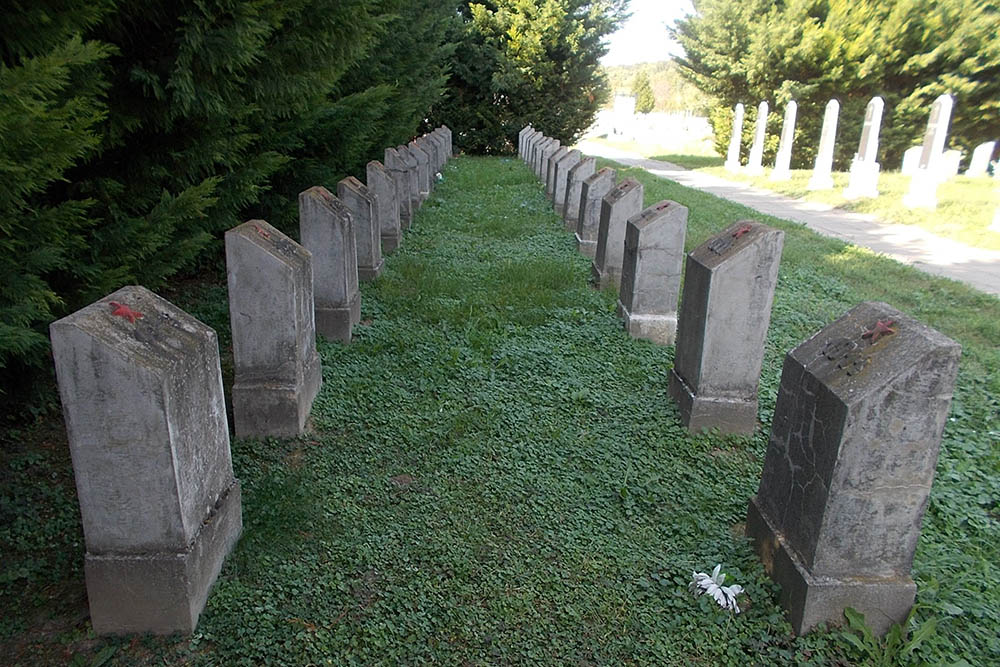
(948, 165)
(550, 172)
(520, 139)
(620, 204)
(141, 391)
(449, 146)
(412, 167)
(588, 224)
(726, 307)
(911, 160)
(849, 466)
(423, 169)
(733, 154)
(362, 204)
(530, 144)
(755, 164)
(382, 184)
(980, 159)
(327, 231)
(865, 167)
(924, 182)
(561, 179)
(277, 369)
(822, 175)
(783, 160)
(575, 177)
(546, 157)
(651, 272)
(536, 153)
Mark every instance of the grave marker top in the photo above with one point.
(868, 145)
(937, 131)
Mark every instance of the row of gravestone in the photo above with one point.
(141, 389)
(861, 406)
(928, 165)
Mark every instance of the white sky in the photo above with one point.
(643, 38)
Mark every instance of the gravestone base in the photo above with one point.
(733, 166)
(729, 415)
(336, 323)
(279, 410)
(781, 174)
(812, 600)
(863, 180)
(370, 272)
(162, 593)
(602, 279)
(754, 170)
(390, 242)
(586, 248)
(923, 190)
(660, 329)
(822, 182)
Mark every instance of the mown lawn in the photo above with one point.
(497, 476)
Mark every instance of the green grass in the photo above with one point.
(691, 161)
(497, 475)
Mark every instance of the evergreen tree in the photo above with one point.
(644, 100)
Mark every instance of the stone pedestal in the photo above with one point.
(327, 231)
(863, 180)
(592, 193)
(381, 183)
(575, 177)
(141, 390)
(277, 370)
(361, 202)
(620, 204)
(561, 178)
(550, 172)
(651, 272)
(849, 466)
(728, 289)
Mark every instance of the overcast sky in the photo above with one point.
(644, 38)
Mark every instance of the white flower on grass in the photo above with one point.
(712, 585)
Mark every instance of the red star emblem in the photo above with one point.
(741, 231)
(880, 329)
(121, 310)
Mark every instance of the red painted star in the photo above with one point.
(741, 231)
(880, 329)
(121, 310)
(260, 230)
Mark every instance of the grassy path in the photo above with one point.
(497, 475)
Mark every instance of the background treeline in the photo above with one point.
(133, 133)
(907, 51)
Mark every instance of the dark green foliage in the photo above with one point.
(644, 100)
(526, 62)
(907, 51)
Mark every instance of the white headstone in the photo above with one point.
(948, 164)
(783, 160)
(980, 159)
(911, 158)
(924, 183)
(864, 167)
(733, 155)
(822, 176)
(755, 162)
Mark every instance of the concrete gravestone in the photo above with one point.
(401, 178)
(592, 193)
(142, 396)
(783, 160)
(327, 231)
(423, 169)
(733, 154)
(546, 158)
(277, 370)
(360, 201)
(550, 172)
(520, 139)
(575, 177)
(853, 447)
(561, 176)
(409, 163)
(948, 166)
(924, 182)
(865, 167)
(536, 156)
(381, 183)
(822, 176)
(651, 272)
(911, 159)
(755, 163)
(728, 289)
(620, 204)
(980, 159)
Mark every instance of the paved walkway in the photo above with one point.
(907, 243)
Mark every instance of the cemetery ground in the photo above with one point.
(497, 476)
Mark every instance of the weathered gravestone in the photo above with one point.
(588, 223)
(521, 136)
(449, 146)
(822, 175)
(783, 159)
(411, 165)
(864, 166)
(651, 272)
(755, 163)
(434, 147)
(550, 172)
(396, 166)
(536, 145)
(575, 177)
(548, 151)
(948, 165)
(620, 204)
(361, 202)
(327, 231)
(980, 161)
(423, 169)
(277, 370)
(141, 390)
(911, 159)
(381, 183)
(530, 139)
(733, 154)
(725, 311)
(922, 192)
(536, 157)
(561, 177)
(854, 443)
